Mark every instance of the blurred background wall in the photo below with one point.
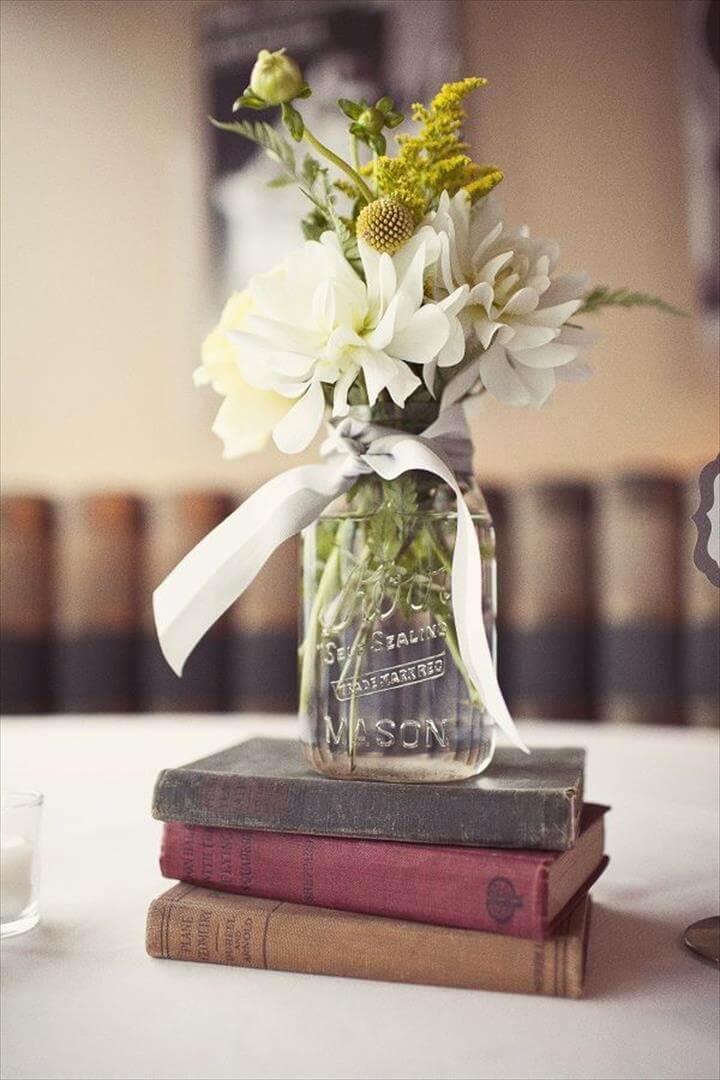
(107, 275)
(123, 216)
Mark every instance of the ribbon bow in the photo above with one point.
(219, 569)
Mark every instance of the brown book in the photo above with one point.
(191, 923)
(548, 612)
(25, 603)
(638, 533)
(97, 604)
(262, 651)
(700, 626)
(174, 524)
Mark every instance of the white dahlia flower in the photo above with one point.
(513, 307)
(314, 321)
(247, 416)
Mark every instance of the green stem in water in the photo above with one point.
(309, 645)
(340, 164)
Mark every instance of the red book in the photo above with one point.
(518, 893)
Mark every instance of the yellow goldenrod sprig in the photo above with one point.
(437, 158)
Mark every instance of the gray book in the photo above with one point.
(521, 801)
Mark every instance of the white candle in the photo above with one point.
(16, 856)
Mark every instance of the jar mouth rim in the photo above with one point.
(413, 417)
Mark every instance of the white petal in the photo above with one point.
(377, 369)
(567, 287)
(481, 294)
(429, 373)
(422, 338)
(453, 350)
(281, 335)
(486, 330)
(554, 316)
(340, 391)
(500, 378)
(245, 420)
(444, 268)
(539, 383)
(424, 237)
(385, 372)
(461, 384)
(382, 335)
(530, 337)
(493, 266)
(402, 383)
(410, 287)
(521, 303)
(380, 277)
(456, 301)
(298, 428)
(546, 356)
(340, 267)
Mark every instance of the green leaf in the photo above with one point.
(385, 104)
(284, 180)
(385, 534)
(350, 108)
(248, 100)
(378, 143)
(305, 92)
(311, 169)
(293, 121)
(393, 119)
(603, 296)
(348, 240)
(401, 494)
(314, 225)
(272, 142)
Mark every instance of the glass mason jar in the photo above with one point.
(384, 694)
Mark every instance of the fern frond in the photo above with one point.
(603, 296)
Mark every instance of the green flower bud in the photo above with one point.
(372, 120)
(276, 78)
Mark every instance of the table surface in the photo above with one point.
(82, 999)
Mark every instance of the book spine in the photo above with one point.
(262, 653)
(470, 889)
(700, 627)
(173, 525)
(26, 543)
(549, 609)
(97, 604)
(515, 819)
(188, 923)
(638, 595)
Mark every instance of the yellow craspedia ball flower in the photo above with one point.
(385, 224)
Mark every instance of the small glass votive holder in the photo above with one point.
(20, 813)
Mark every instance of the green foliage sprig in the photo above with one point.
(603, 296)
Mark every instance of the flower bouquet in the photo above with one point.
(409, 300)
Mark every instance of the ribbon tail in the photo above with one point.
(394, 455)
(218, 569)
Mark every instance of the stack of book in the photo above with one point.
(480, 884)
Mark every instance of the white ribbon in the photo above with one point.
(219, 569)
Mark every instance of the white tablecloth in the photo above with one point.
(82, 999)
